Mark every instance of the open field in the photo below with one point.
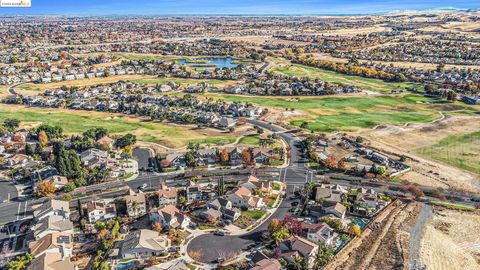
(451, 241)
(287, 68)
(426, 170)
(461, 151)
(74, 122)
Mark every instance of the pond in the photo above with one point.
(209, 62)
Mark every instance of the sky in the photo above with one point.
(233, 7)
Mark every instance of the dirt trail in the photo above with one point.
(416, 236)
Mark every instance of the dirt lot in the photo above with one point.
(451, 241)
(408, 138)
(386, 245)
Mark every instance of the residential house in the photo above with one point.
(93, 157)
(297, 246)
(136, 204)
(263, 185)
(242, 197)
(58, 181)
(262, 155)
(474, 100)
(367, 196)
(226, 123)
(176, 160)
(52, 208)
(193, 194)
(17, 160)
(100, 211)
(334, 208)
(144, 244)
(211, 214)
(106, 141)
(170, 217)
(52, 224)
(51, 261)
(330, 193)
(267, 264)
(167, 195)
(207, 156)
(58, 242)
(225, 207)
(319, 233)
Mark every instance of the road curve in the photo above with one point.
(212, 247)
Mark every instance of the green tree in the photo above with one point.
(323, 256)
(20, 262)
(69, 187)
(11, 124)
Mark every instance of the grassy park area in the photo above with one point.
(74, 122)
(461, 151)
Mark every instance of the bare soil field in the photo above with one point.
(451, 241)
(357, 31)
(385, 245)
(407, 139)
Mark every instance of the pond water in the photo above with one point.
(212, 62)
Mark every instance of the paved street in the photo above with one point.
(212, 247)
(8, 191)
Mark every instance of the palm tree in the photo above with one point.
(297, 263)
(323, 256)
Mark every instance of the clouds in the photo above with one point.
(216, 7)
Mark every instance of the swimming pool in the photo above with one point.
(362, 223)
(125, 266)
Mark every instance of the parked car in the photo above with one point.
(219, 233)
(142, 187)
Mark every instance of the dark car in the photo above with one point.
(219, 233)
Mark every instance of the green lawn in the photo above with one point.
(460, 151)
(254, 214)
(75, 122)
(251, 140)
(335, 77)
